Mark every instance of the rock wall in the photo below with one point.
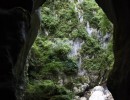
(118, 12)
(19, 22)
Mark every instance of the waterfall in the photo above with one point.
(80, 16)
(79, 63)
(88, 29)
(79, 11)
(81, 71)
(103, 39)
(76, 46)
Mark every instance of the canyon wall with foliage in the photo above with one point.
(73, 50)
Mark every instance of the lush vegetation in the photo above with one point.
(47, 90)
(49, 59)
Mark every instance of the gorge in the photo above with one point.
(117, 12)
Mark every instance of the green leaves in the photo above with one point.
(70, 67)
(96, 17)
(49, 58)
(47, 90)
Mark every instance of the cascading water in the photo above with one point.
(81, 71)
(76, 46)
(79, 11)
(89, 29)
(80, 16)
